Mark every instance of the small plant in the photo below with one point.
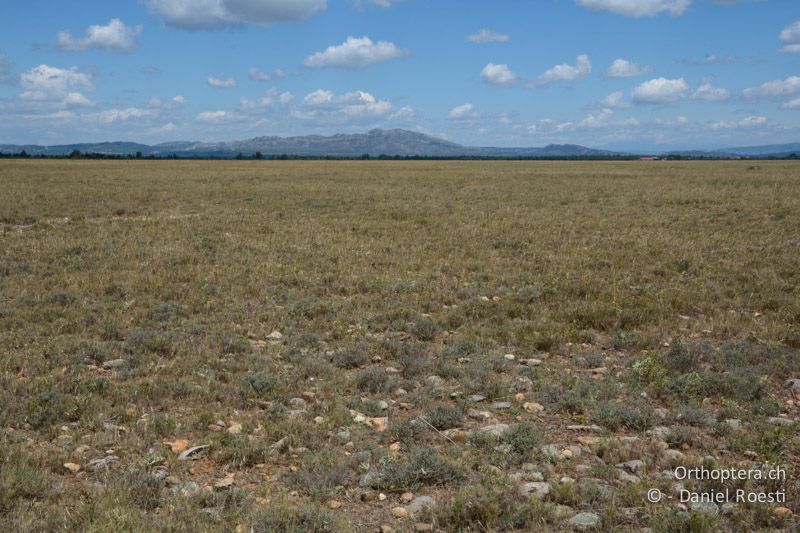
(320, 474)
(424, 467)
(614, 416)
(350, 357)
(307, 518)
(373, 379)
(680, 359)
(444, 417)
(425, 329)
(524, 438)
(258, 385)
(623, 340)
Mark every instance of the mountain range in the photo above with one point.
(375, 142)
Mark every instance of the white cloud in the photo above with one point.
(111, 116)
(660, 91)
(747, 122)
(566, 72)
(216, 117)
(355, 53)
(638, 8)
(615, 100)
(169, 127)
(709, 93)
(404, 113)
(790, 36)
(196, 15)
(630, 122)
(349, 106)
(792, 104)
(753, 121)
(596, 120)
(498, 74)
(787, 87)
(256, 74)
(285, 97)
(175, 101)
(488, 36)
(622, 68)
(682, 120)
(114, 36)
(46, 83)
(221, 83)
(384, 3)
(462, 111)
(77, 100)
(267, 100)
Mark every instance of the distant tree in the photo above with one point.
(239, 156)
(76, 154)
(365, 156)
(138, 155)
(258, 155)
(24, 154)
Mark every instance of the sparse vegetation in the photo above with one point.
(314, 334)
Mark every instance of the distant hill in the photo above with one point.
(767, 150)
(375, 142)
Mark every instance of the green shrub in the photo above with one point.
(307, 518)
(423, 467)
(614, 416)
(525, 438)
(444, 417)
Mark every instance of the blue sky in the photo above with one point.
(604, 73)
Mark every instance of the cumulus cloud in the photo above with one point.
(596, 120)
(566, 72)
(787, 87)
(265, 101)
(615, 100)
(486, 36)
(403, 114)
(52, 84)
(461, 112)
(111, 116)
(792, 104)
(355, 53)
(790, 36)
(172, 103)
(498, 74)
(216, 117)
(76, 100)
(256, 74)
(349, 106)
(622, 68)
(221, 83)
(115, 36)
(285, 97)
(638, 8)
(753, 121)
(709, 93)
(660, 91)
(194, 15)
(747, 122)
